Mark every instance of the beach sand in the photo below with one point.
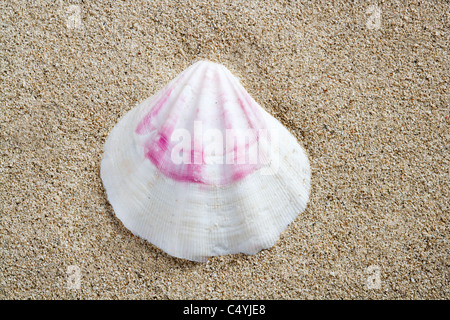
(363, 85)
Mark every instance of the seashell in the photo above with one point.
(200, 169)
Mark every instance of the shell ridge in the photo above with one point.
(225, 120)
(150, 114)
(171, 119)
(246, 105)
(252, 112)
(238, 171)
(191, 170)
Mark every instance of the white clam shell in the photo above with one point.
(212, 202)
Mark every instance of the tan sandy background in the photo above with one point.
(362, 84)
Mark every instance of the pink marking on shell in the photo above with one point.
(145, 124)
(159, 149)
(241, 171)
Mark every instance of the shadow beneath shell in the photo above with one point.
(152, 257)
